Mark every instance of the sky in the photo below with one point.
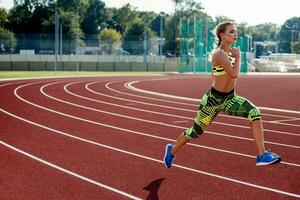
(251, 11)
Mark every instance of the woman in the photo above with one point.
(226, 63)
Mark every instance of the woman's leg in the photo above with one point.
(181, 141)
(240, 106)
(258, 135)
(205, 115)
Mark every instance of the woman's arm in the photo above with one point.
(222, 59)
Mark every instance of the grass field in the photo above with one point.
(24, 74)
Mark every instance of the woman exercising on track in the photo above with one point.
(222, 97)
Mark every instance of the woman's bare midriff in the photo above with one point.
(223, 83)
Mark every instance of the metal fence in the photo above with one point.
(28, 51)
(89, 45)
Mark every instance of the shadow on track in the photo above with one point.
(153, 188)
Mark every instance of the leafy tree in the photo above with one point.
(70, 29)
(296, 47)
(134, 37)
(31, 5)
(19, 18)
(264, 32)
(109, 21)
(27, 16)
(7, 41)
(3, 17)
(95, 16)
(289, 33)
(147, 16)
(222, 18)
(187, 8)
(172, 34)
(109, 39)
(156, 23)
(124, 16)
(77, 6)
(242, 29)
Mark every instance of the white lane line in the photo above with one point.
(175, 102)
(11, 83)
(178, 122)
(287, 124)
(155, 160)
(174, 108)
(169, 115)
(285, 120)
(127, 130)
(197, 100)
(69, 172)
(155, 99)
(143, 120)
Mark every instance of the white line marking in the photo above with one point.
(197, 100)
(182, 121)
(69, 172)
(285, 120)
(176, 102)
(165, 114)
(175, 108)
(143, 120)
(11, 83)
(129, 86)
(156, 160)
(287, 124)
(122, 129)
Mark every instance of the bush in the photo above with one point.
(296, 47)
(109, 40)
(7, 41)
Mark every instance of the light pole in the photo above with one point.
(292, 40)
(161, 34)
(292, 29)
(56, 36)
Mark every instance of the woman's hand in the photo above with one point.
(235, 52)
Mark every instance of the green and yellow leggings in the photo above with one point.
(213, 102)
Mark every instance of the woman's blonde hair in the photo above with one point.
(221, 28)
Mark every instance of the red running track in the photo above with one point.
(94, 138)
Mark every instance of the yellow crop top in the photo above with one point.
(219, 70)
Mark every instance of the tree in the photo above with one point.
(222, 18)
(296, 47)
(125, 16)
(3, 17)
(19, 18)
(109, 40)
(31, 5)
(94, 17)
(7, 41)
(70, 29)
(289, 33)
(187, 8)
(109, 21)
(156, 23)
(77, 6)
(172, 34)
(184, 9)
(264, 32)
(135, 35)
(27, 16)
(242, 29)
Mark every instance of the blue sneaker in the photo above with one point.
(267, 158)
(168, 158)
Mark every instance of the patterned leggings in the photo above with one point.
(213, 102)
